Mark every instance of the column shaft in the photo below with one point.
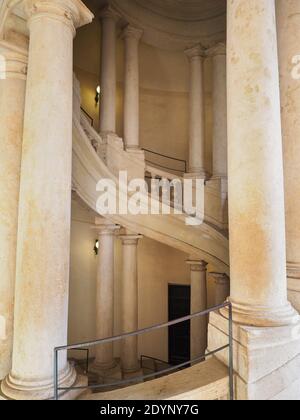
(108, 72)
(132, 37)
(218, 54)
(12, 101)
(196, 112)
(105, 295)
(222, 287)
(130, 302)
(198, 304)
(42, 269)
(288, 19)
(255, 172)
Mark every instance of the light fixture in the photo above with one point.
(97, 97)
(96, 247)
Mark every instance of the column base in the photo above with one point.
(196, 175)
(266, 359)
(17, 389)
(137, 374)
(107, 375)
(259, 316)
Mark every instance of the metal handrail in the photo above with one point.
(88, 116)
(167, 157)
(144, 331)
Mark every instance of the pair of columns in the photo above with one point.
(42, 208)
(131, 36)
(199, 325)
(197, 165)
(105, 298)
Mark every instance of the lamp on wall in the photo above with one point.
(96, 247)
(97, 97)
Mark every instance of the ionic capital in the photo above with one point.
(13, 61)
(105, 227)
(70, 12)
(108, 12)
(218, 49)
(195, 52)
(132, 32)
(130, 239)
(220, 278)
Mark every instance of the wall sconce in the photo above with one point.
(97, 97)
(96, 247)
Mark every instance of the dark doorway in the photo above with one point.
(179, 335)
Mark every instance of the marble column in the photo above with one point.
(219, 98)
(196, 113)
(42, 268)
(108, 71)
(129, 358)
(255, 170)
(105, 295)
(222, 287)
(132, 37)
(288, 24)
(12, 102)
(198, 304)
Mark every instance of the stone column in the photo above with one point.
(196, 112)
(12, 100)
(288, 19)
(218, 54)
(222, 287)
(198, 304)
(132, 38)
(255, 171)
(129, 356)
(105, 295)
(42, 268)
(108, 71)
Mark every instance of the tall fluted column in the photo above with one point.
(12, 101)
(132, 38)
(288, 19)
(42, 268)
(255, 172)
(196, 112)
(105, 295)
(198, 304)
(108, 71)
(130, 302)
(218, 54)
(222, 287)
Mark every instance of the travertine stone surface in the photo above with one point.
(12, 101)
(105, 293)
(129, 355)
(196, 112)
(288, 24)
(219, 104)
(108, 71)
(132, 37)
(255, 171)
(42, 268)
(198, 304)
(222, 287)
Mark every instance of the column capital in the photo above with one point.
(220, 278)
(132, 32)
(195, 52)
(217, 49)
(197, 265)
(108, 12)
(71, 12)
(13, 61)
(130, 238)
(105, 228)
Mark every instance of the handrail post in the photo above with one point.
(231, 374)
(55, 375)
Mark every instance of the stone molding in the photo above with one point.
(197, 265)
(220, 278)
(108, 12)
(132, 32)
(217, 49)
(195, 52)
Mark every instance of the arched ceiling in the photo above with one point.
(185, 10)
(172, 24)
